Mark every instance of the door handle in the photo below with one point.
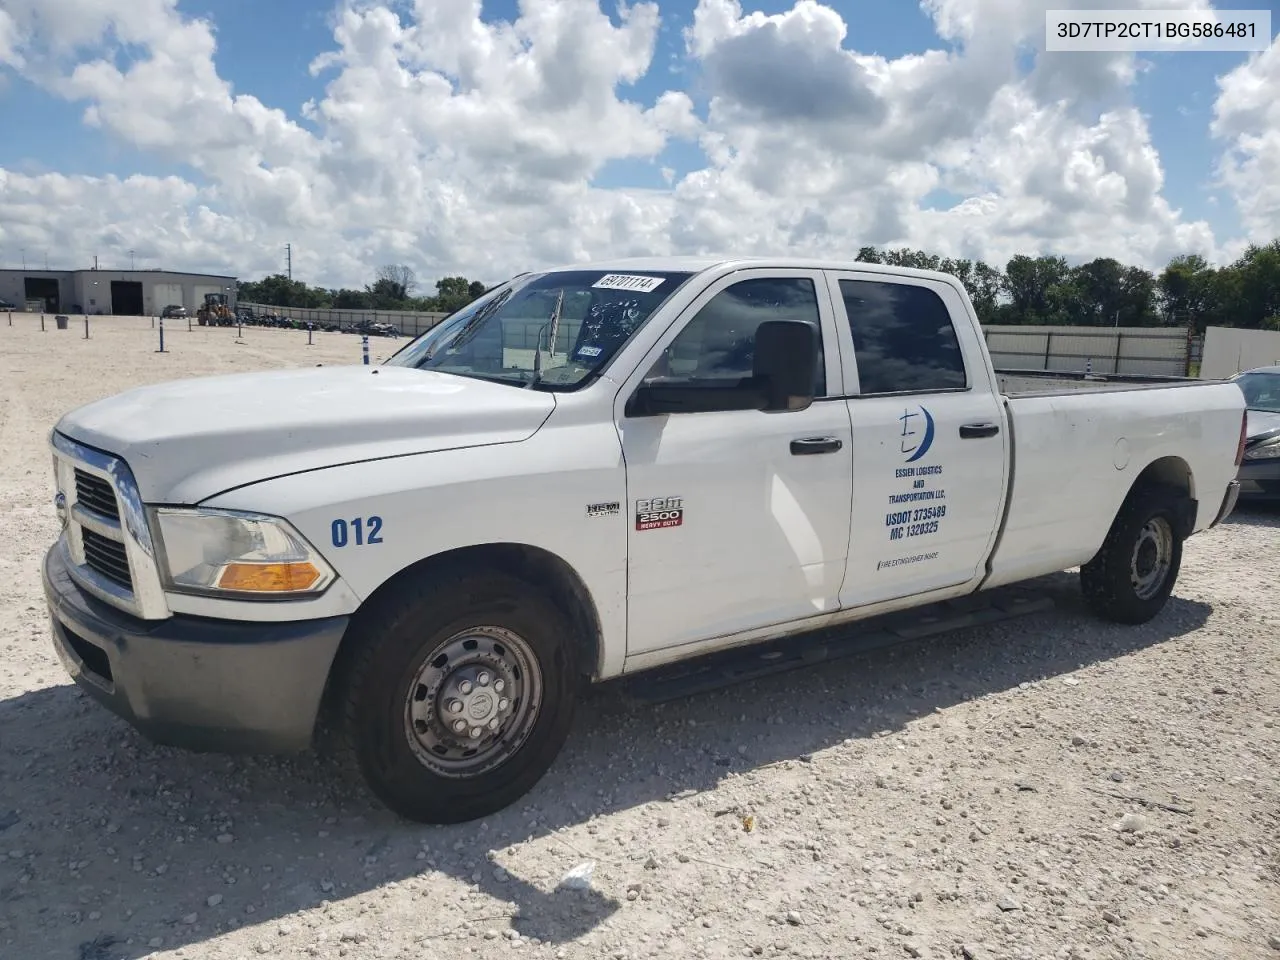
(973, 431)
(811, 445)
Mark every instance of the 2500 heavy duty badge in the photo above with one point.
(659, 513)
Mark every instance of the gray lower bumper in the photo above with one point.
(1228, 502)
(192, 682)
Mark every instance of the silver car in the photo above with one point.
(1260, 470)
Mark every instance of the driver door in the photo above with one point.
(738, 519)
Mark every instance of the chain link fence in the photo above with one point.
(409, 323)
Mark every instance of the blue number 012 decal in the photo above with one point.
(365, 530)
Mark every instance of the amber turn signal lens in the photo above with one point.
(268, 577)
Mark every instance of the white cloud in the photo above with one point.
(1247, 116)
(9, 40)
(792, 169)
(165, 219)
(458, 144)
(994, 29)
(1040, 179)
(61, 28)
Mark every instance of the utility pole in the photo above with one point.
(131, 264)
(288, 255)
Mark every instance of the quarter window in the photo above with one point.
(719, 342)
(903, 338)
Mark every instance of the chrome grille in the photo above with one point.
(106, 539)
(95, 493)
(107, 557)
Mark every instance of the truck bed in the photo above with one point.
(1078, 445)
(1043, 383)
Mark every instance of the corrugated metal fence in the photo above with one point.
(1147, 351)
(1229, 350)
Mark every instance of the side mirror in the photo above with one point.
(786, 363)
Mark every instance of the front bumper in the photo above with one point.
(193, 682)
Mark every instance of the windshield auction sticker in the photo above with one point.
(624, 281)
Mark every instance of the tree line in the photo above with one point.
(1106, 292)
(1028, 290)
(393, 288)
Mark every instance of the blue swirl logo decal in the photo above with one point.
(917, 436)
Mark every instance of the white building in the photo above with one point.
(121, 292)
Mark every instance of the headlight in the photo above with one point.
(223, 553)
(1267, 451)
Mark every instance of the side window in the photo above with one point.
(719, 342)
(903, 338)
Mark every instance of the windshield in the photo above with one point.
(1261, 391)
(549, 330)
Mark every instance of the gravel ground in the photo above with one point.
(1047, 787)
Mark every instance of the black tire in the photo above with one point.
(396, 753)
(1131, 577)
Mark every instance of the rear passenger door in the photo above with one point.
(929, 444)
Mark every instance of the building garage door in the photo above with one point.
(45, 290)
(166, 295)
(126, 298)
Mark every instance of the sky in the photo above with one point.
(489, 138)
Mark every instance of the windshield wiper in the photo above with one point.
(488, 377)
(472, 326)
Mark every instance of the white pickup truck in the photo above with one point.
(587, 472)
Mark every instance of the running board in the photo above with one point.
(727, 668)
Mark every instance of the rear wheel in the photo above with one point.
(1132, 576)
(460, 695)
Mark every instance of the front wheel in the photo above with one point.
(460, 696)
(1132, 576)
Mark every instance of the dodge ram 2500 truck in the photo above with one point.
(589, 471)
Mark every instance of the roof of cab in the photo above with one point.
(728, 264)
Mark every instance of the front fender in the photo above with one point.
(553, 492)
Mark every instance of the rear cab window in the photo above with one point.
(904, 338)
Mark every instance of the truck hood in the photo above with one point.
(188, 440)
(1260, 422)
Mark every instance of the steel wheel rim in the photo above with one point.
(473, 702)
(1152, 558)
